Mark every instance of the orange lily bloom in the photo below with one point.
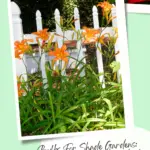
(20, 91)
(101, 40)
(106, 8)
(21, 47)
(17, 54)
(90, 35)
(42, 34)
(60, 54)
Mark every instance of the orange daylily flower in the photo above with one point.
(60, 54)
(20, 91)
(42, 34)
(101, 39)
(106, 8)
(90, 35)
(21, 47)
(17, 54)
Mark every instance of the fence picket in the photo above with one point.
(77, 18)
(98, 54)
(60, 34)
(58, 28)
(38, 20)
(43, 56)
(80, 48)
(18, 35)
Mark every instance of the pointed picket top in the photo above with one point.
(38, 13)
(15, 8)
(98, 54)
(95, 11)
(76, 18)
(57, 13)
(38, 20)
(95, 17)
(57, 20)
(76, 11)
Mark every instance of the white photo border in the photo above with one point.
(138, 8)
(128, 109)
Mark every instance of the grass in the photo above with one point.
(70, 103)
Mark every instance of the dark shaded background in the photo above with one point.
(47, 8)
(28, 10)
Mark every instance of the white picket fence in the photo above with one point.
(31, 65)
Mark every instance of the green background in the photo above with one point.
(139, 51)
(138, 26)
